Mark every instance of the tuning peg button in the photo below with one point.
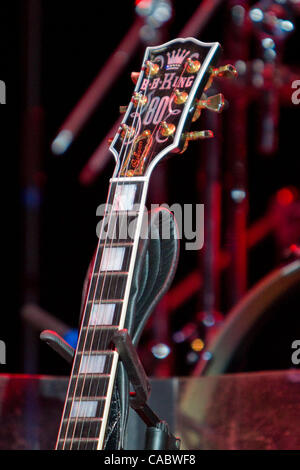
(180, 96)
(196, 135)
(225, 71)
(139, 99)
(192, 65)
(126, 131)
(167, 129)
(213, 103)
(151, 68)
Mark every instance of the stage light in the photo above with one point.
(197, 344)
(286, 25)
(192, 357)
(238, 195)
(160, 351)
(143, 7)
(285, 196)
(62, 142)
(256, 14)
(207, 356)
(268, 43)
(156, 12)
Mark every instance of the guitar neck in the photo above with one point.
(168, 97)
(89, 394)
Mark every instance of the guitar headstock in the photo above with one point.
(168, 96)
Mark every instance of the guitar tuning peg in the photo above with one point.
(123, 109)
(151, 68)
(166, 129)
(192, 65)
(225, 71)
(139, 99)
(196, 135)
(180, 96)
(213, 103)
(135, 76)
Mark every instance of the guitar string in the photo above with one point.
(103, 337)
(155, 127)
(74, 362)
(128, 154)
(112, 237)
(174, 87)
(88, 294)
(84, 317)
(173, 91)
(106, 286)
(108, 259)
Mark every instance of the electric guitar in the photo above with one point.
(168, 97)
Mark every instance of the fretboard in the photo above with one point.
(88, 399)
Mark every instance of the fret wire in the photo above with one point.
(111, 273)
(87, 398)
(86, 335)
(90, 312)
(107, 300)
(95, 293)
(127, 290)
(77, 380)
(111, 381)
(102, 432)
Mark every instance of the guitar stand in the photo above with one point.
(158, 435)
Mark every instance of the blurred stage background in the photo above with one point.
(247, 177)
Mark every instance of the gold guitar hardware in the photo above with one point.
(193, 66)
(180, 97)
(213, 103)
(196, 135)
(167, 129)
(127, 131)
(151, 68)
(135, 159)
(139, 99)
(226, 71)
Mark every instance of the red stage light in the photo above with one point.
(143, 3)
(285, 196)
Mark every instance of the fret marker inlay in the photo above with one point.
(92, 364)
(124, 197)
(102, 314)
(112, 259)
(84, 409)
